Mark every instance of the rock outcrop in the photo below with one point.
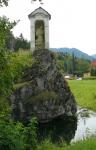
(43, 92)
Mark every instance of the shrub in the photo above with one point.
(10, 138)
(89, 78)
(71, 78)
(15, 62)
(13, 136)
(29, 136)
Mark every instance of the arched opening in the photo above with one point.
(39, 33)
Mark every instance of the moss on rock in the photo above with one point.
(44, 96)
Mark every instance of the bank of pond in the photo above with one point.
(80, 133)
(72, 133)
(72, 130)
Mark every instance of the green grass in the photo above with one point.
(19, 85)
(44, 96)
(84, 92)
(89, 144)
(86, 114)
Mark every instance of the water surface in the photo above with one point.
(68, 130)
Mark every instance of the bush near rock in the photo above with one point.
(42, 91)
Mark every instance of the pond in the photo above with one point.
(68, 130)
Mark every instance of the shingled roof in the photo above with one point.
(37, 9)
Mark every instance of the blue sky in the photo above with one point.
(72, 24)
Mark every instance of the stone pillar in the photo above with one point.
(32, 34)
(46, 33)
(32, 38)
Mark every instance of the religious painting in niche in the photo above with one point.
(39, 33)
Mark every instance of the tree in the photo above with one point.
(82, 66)
(69, 66)
(20, 42)
(9, 41)
(65, 66)
(92, 72)
(5, 74)
(3, 2)
(73, 62)
(95, 71)
(11, 136)
(11, 65)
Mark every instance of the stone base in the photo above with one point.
(39, 48)
(39, 44)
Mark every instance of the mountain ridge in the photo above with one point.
(94, 56)
(77, 52)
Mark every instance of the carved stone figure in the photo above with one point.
(39, 34)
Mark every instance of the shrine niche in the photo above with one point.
(39, 29)
(39, 34)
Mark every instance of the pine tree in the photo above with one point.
(73, 62)
(69, 66)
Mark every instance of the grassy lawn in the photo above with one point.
(84, 92)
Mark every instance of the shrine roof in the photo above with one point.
(39, 10)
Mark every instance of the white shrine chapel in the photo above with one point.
(39, 29)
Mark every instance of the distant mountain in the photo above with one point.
(94, 56)
(77, 52)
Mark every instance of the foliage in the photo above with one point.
(84, 92)
(13, 70)
(77, 53)
(9, 41)
(29, 139)
(19, 85)
(93, 71)
(69, 66)
(82, 66)
(72, 64)
(11, 64)
(89, 78)
(10, 135)
(20, 42)
(71, 78)
(14, 136)
(15, 63)
(47, 145)
(3, 2)
(5, 73)
(5, 109)
(85, 114)
(60, 64)
(16, 43)
(89, 144)
(43, 97)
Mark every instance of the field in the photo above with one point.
(84, 92)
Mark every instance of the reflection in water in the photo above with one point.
(86, 126)
(68, 130)
(56, 130)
